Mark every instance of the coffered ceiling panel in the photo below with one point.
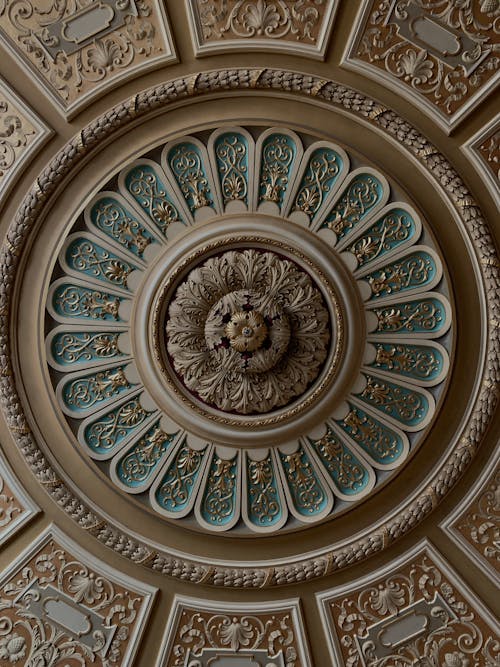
(60, 605)
(204, 633)
(440, 54)
(290, 26)
(76, 51)
(416, 610)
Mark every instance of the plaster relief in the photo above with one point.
(300, 26)
(77, 52)
(475, 523)
(442, 52)
(483, 150)
(61, 606)
(413, 611)
(21, 134)
(203, 633)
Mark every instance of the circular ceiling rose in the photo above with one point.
(247, 331)
(245, 334)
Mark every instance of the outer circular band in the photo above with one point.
(435, 487)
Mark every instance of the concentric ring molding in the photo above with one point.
(341, 249)
(419, 505)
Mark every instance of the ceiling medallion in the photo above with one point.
(270, 365)
(247, 331)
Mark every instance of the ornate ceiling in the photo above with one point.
(249, 333)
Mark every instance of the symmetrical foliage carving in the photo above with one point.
(483, 149)
(21, 134)
(483, 403)
(443, 51)
(260, 634)
(415, 612)
(248, 331)
(58, 606)
(300, 25)
(79, 49)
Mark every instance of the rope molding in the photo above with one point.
(330, 559)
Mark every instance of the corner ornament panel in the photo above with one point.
(443, 53)
(416, 610)
(421, 502)
(60, 605)
(177, 363)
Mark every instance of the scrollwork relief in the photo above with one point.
(445, 51)
(71, 70)
(443, 626)
(56, 609)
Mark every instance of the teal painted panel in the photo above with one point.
(219, 502)
(415, 362)
(264, 504)
(186, 162)
(323, 169)
(356, 202)
(421, 316)
(120, 224)
(341, 464)
(279, 152)
(81, 348)
(179, 481)
(415, 271)
(85, 303)
(104, 434)
(94, 389)
(409, 407)
(308, 495)
(96, 262)
(382, 444)
(231, 153)
(149, 191)
(139, 462)
(388, 233)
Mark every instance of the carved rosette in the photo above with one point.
(292, 269)
(247, 331)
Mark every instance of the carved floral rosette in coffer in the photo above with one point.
(294, 276)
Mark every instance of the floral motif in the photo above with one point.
(429, 58)
(271, 19)
(30, 633)
(70, 73)
(202, 631)
(454, 633)
(231, 370)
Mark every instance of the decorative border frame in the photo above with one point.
(43, 134)
(454, 535)
(446, 123)
(30, 508)
(470, 148)
(423, 547)
(291, 605)
(316, 52)
(475, 421)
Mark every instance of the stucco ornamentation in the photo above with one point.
(59, 606)
(443, 51)
(416, 611)
(78, 51)
(475, 422)
(247, 331)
